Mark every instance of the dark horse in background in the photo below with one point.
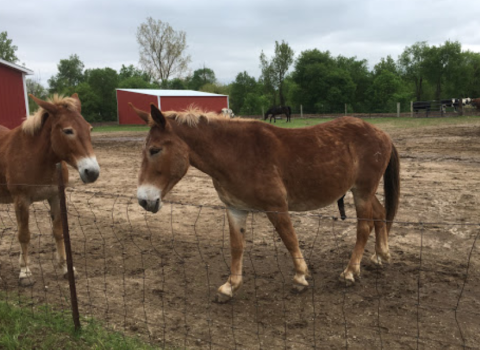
(276, 110)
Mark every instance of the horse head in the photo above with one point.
(165, 160)
(69, 133)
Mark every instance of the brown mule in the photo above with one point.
(56, 133)
(307, 168)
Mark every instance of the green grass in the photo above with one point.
(42, 328)
(116, 128)
(395, 123)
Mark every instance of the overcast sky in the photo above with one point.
(228, 36)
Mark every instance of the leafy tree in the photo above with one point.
(7, 50)
(132, 72)
(361, 77)
(323, 85)
(162, 49)
(201, 77)
(240, 88)
(70, 75)
(274, 71)
(103, 82)
(136, 83)
(36, 89)
(412, 68)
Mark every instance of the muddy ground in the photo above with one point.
(156, 275)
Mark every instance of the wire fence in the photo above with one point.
(157, 276)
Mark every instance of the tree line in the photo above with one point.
(316, 80)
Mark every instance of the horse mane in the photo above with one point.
(33, 123)
(192, 116)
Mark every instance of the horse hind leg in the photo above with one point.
(382, 251)
(282, 223)
(21, 211)
(365, 225)
(237, 224)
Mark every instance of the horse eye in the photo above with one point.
(68, 131)
(154, 151)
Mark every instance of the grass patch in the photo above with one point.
(42, 328)
(117, 128)
(393, 123)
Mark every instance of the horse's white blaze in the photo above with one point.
(149, 193)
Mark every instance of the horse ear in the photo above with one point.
(142, 114)
(77, 102)
(49, 107)
(157, 116)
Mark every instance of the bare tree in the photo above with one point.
(162, 50)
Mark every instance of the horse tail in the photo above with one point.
(289, 110)
(391, 187)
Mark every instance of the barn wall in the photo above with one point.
(206, 103)
(126, 116)
(12, 97)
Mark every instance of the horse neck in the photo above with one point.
(208, 150)
(40, 145)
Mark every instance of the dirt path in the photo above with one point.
(156, 275)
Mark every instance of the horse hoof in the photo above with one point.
(26, 282)
(299, 288)
(376, 259)
(347, 279)
(222, 298)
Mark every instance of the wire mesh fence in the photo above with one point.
(157, 276)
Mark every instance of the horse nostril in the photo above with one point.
(142, 202)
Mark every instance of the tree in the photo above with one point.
(103, 82)
(70, 74)
(162, 50)
(36, 89)
(7, 50)
(201, 77)
(323, 84)
(412, 68)
(275, 70)
(240, 88)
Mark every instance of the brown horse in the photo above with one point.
(28, 154)
(308, 168)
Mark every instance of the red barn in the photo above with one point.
(165, 100)
(13, 94)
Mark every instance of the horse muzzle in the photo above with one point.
(88, 169)
(149, 198)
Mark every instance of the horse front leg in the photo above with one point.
(21, 211)
(282, 223)
(61, 256)
(237, 223)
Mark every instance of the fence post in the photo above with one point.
(68, 248)
(301, 111)
(345, 109)
(411, 109)
(398, 109)
(263, 114)
(460, 107)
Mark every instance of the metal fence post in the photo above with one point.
(301, 111)
(398, 109)
(68, 248)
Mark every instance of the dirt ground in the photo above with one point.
(156, 275)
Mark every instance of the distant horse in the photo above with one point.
(28, 154)
(308, 168)
(273, 111)
(476, 103)
(228, 111)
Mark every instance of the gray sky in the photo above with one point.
(228, 36)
